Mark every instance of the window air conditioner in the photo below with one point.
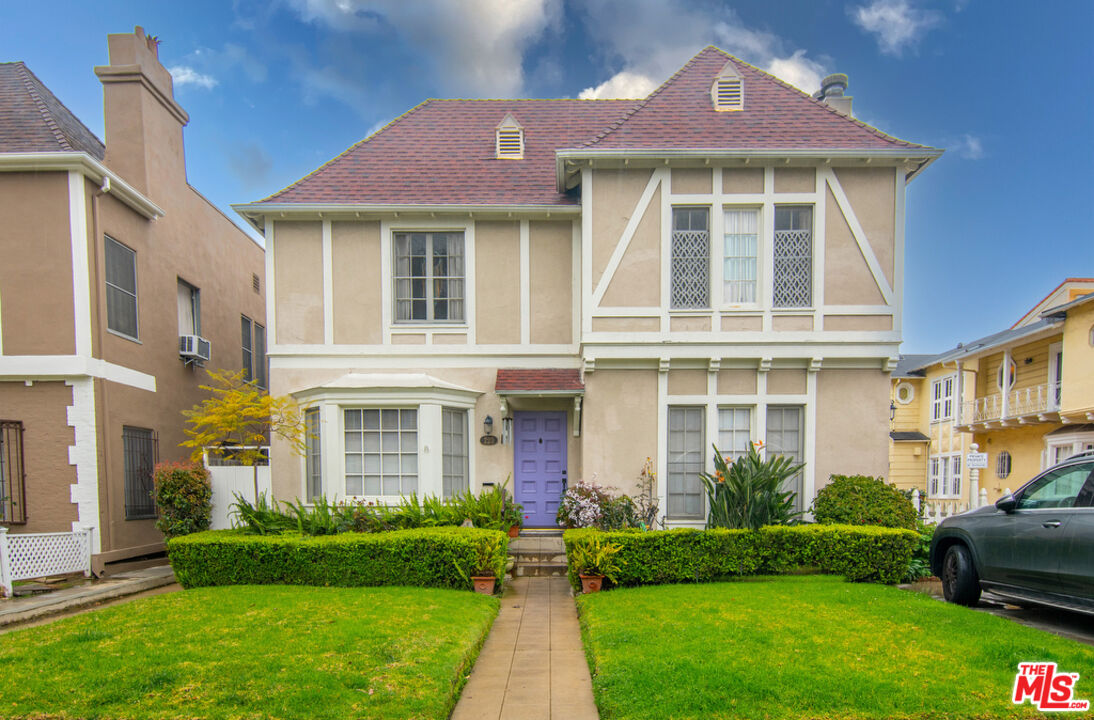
(193, 348)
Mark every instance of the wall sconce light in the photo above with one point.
(892, 411)
(1029, 361)
(488, 426)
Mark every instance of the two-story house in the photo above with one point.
(118, 281)
(1024, 396)
(592, 283)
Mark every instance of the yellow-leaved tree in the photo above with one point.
(237, 420)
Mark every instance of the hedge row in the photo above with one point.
(423, 557)
(861, 554)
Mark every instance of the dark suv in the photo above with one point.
(1034, 546)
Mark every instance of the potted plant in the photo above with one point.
(595, 561)
(487, 565)
(513, 517)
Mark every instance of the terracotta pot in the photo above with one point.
(514, 531)
(591, 583)
(484, 584)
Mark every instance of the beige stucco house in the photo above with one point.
(118, 281)
(555, 290)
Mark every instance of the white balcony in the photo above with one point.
(1029, 405)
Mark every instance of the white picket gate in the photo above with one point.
(934, 511)
(229, 480)
(30, 555)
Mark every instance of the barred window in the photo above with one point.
(429, 277)
(792, 261)
(685, 462)
(381, 452)
(454, 441)
(690, 257)
(139, 448)
(312, 453)
(13, 507)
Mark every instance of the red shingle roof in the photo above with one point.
(32, 119)
(514, 380)
(679, 115)
(442, 151)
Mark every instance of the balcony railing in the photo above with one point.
(1025, 402)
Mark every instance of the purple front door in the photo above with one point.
(539, 462)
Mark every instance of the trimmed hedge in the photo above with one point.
(423, 557)
(863, 500)
(860, 554)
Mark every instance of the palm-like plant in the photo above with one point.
(748, 494)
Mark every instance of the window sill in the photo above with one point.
(751, 311)
(123, 336)
(690, 312)
(415, 327)
(794, 311)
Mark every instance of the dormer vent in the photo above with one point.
(727, 92)
(510, 139)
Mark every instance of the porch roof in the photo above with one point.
(547, 381)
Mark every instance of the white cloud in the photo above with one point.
(477, 46)
(653, 38)
(621, 85)
(896, 23)
(968, 147)
(184, 75)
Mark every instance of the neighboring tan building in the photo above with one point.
(1025, 396)
(109, 256)
(721, 262)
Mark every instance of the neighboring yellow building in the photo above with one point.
(1024, 396)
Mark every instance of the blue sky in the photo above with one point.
(276, 88)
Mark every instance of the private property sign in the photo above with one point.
(976, 461)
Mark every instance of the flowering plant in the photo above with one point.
(582, 505)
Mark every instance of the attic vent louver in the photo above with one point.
(510, 139)
(727, 92)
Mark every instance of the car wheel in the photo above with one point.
(960, 583)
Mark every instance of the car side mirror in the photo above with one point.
(1007, 503)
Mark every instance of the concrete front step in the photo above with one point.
(540, 570)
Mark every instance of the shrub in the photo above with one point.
(684, 555)
(587, 504)
(424, 557)
(748, 494)
(919, 566)
(595, 557)
(863, 500)
(183, 498)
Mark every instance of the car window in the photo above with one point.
(1086, 495)
(1057, 489)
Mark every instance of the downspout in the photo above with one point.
(97, 350)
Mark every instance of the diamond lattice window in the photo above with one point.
(690, 258)
(792, 263)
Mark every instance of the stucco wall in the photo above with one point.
(615, 195)
(550, 246)
(497, 282)
(298, 274)
(355, 256)
(852, 432)
(620, 426)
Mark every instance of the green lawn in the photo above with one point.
(251, 652)
(808, 647)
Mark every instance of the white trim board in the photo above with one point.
(57, 367)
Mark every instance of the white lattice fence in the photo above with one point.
(32, 555)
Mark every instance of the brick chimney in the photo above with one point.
(143, 121)
(832, 92)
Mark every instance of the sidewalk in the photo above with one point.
(35, 607)
(532, 664)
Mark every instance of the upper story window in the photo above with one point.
(253, 338)
(942, 398)
(690, 258)
(189, 309)
(741, 260)
(429, 277)
(792, 257)
(121, 288)
(509, 139)
(1006, 374)
(727, 92)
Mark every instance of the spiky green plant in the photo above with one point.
(748, 494)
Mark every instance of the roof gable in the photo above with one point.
(32, 119)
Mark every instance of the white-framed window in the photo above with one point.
(741, 256)
(1055, 374)
(253, 339)
(189, 309)
(1004, 378)
(786, 436)
(686, 443)
(945, 476)
(121, 288)
(454, 461)
(942, 398)
(792, 257)
(690, 262)
(905, 393)
(313, 445)
(734, 431)
(381, 451)
(1060, 446)
(429, 277)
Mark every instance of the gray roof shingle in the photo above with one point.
(32, 119)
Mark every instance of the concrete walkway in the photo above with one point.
(532, 665)
(35, 607)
